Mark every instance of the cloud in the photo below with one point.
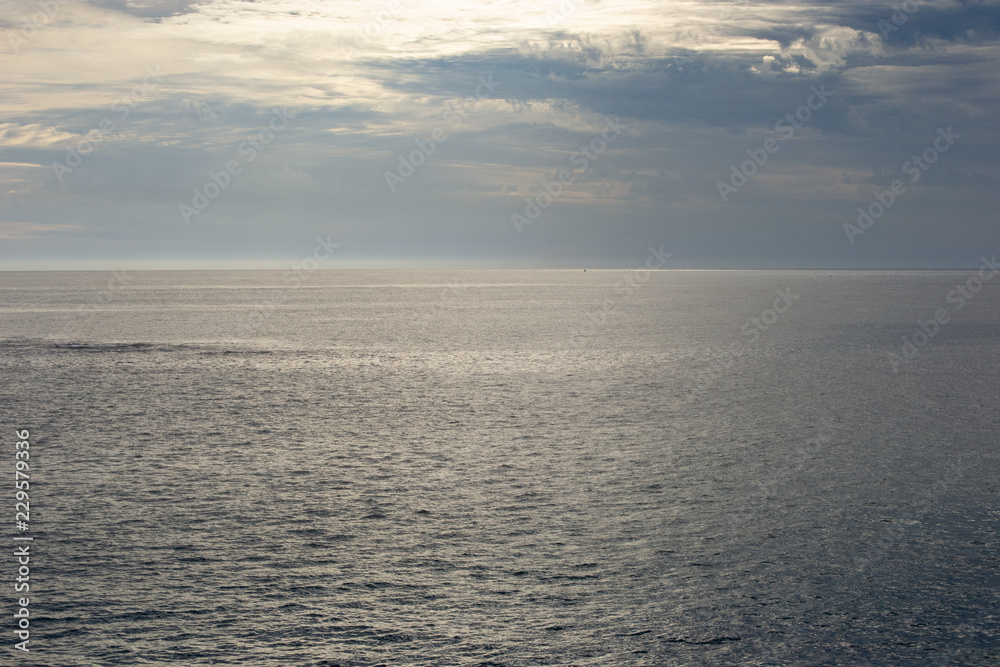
(699, 83)
(147, 8)
(34, 135)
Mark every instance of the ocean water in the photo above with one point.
(505, 468)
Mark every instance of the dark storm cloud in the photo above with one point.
(711, 91)
(963, 21)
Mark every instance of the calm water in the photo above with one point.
(516, 468)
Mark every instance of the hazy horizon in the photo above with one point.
(277, 265)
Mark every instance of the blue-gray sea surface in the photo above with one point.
(505, 468)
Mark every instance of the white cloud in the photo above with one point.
(33, 135)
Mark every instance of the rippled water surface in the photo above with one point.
(505, 468)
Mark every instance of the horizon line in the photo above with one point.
(485, 268)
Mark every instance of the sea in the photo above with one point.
(362, 467)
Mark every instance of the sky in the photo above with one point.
(537, 134)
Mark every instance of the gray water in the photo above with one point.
(504, 468)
